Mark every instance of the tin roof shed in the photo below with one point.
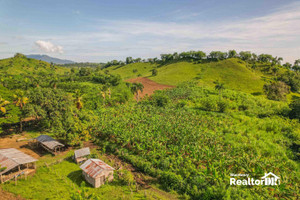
(93, 167)
(49, 142)
(11, 158)
(82, 152)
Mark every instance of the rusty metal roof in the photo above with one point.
(93, 167)
(82, 152)
(11, 158)
(48, 141)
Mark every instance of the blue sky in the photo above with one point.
(99, 31)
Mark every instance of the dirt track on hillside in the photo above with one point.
(149, 85)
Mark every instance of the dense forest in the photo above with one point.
(190, 138)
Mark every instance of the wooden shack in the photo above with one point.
(50, 144)
(96, 172)
(81, 155)
(15, 164)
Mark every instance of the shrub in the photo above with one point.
(222, 105)
(160, 99)
(276, 90)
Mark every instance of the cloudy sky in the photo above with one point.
(99, 31)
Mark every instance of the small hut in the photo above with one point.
(50, 144)
(96, 172)
(15, 164)
(80, 155)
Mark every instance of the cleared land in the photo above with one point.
(149, 85)
(65, 177)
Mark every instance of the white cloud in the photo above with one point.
(48, 47)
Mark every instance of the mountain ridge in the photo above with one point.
(49, 59)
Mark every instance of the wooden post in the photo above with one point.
(15, 180)
(27, 165)
(19, 167)
(1, 178)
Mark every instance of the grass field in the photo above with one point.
(64, 179)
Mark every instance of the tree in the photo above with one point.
(20, 100)
(291, 79)
(245, 55)
(276, 90)
(275, 69)
(129, 60)
(154, 72)
(53, 82)
(295, 109)
(136, 88)
(77, 100)
(287, 65)
(232, 54)
(3, 103)
(217, 55)
(220, 87)
(296, 66)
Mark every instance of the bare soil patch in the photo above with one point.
(149, 85)
(19, 142)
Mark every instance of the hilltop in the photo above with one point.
(20, 64)
(232, 72)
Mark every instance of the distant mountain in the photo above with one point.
(49, 59)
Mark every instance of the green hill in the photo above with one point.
(232, 72)
(20, 64)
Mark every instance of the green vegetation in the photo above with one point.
(190, 138)
(63, 180)
(193, 147)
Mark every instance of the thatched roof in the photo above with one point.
(82, 152)
(11, 158)
(49, 141)
(93, 167)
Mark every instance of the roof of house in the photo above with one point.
(93, 167)
(48, 141)
(82, 152)
(11, 158)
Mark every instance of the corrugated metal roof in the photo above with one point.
(93, 167)
(82, 152)
(48, 141)
(11, 158)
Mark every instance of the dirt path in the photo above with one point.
(149, 85)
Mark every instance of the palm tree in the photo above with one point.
(220, 87)
(135, 88)
(78, 98)
(20, 100)
(3, 103)
(53, 82)
(104, 91)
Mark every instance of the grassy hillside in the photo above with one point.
(133, 70)
(232, 72)
(22, 65)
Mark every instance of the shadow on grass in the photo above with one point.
(76, 177)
